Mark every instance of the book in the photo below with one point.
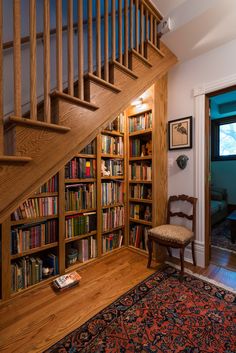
(67, 281)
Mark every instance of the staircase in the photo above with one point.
(111, 70)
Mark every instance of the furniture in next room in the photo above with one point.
(182, 209)
(232, 218)
(219, 205)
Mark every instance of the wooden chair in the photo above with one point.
(173, 235)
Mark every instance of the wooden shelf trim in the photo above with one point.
(113, 177)
(140, 181)
(83, 155)
(112, 156)
(141, 221)
(80, 181)
(140, 132)
(81, 236)
(34, 250)
(113, 250)
(44, 194)
(140, 158)
(79, 264)
(44, 281)
(73, 212)
(140, 200)
(113, 205)
(113, 133)
(33, 220)
(112, 230)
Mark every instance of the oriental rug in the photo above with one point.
(161, 314)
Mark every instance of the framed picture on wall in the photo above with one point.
(180, 133)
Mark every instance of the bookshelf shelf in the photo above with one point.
(33, 220)
(108, 177)
(112, 156)
(112, 230)
(74, 212)
(90, 156)
(113, 250)
(140, 200)
(113, 205)
(140, 181)
(144, 158)
(82, 236)
(141, 221)
(140, 132)
(44, 194)
(79, 264)
(71, 181)
(34, 250)
(112, 133)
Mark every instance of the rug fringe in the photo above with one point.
(204, 278)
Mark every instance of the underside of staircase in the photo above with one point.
(35, 150)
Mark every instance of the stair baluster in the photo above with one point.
(46, 49)
(80, 51)
(59, 52)
(106, 53)
(33, 92)
(70, 47)
(17, 56)
(1, 83)
(98, 39)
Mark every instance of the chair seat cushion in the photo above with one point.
(172, 233)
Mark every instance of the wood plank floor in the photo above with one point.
(38, 318)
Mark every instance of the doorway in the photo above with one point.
(221, 165)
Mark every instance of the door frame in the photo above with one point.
(202, 161)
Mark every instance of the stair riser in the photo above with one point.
(152, 55)
(119, 78)
(94, 93)
(137, 65)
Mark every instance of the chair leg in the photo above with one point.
(182, 261)
(169, 251)
(150, 248)
(193, 254)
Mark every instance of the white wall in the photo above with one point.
(183, 78)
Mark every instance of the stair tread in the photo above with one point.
(102, 82)
(124, 68)
(15, 159)
(142, 58)
(34, 123)
(155, 48)
(74, 100)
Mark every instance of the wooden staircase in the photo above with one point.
(36, 146)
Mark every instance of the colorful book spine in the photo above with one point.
(80, 224)
(50, 186)
(80, 168)
(112, 145)
(115, 167)
(140, 211)
(36, 207)
(112, 218)
(90, 148)
(139, 236)
(140, 122)
(80, 197)
(28, 236)
(140, 171)
(117, 124)
(112, 241)
(112, 192)
(81, 250)
(141, 191)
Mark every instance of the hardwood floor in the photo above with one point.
(223, 258)
(38, 318)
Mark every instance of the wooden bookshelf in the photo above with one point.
(157, 201)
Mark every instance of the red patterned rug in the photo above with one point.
(161, 314)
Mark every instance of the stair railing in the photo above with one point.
(95, 32)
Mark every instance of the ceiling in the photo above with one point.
(199, 25)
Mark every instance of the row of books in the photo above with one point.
(139, 236)
(80, 196)
(141, 191)
(112, 241)
(140, 122)
(81, 250)
(80, 224)
(117, 124)
(112, 192)
(50, 186)
(32, 236)
(90, 148)
(112, 218)
(80, 168)
(36, 207)
(112, 167)
(31, 270)
(112, 145)
(138, 148)
(140, 171)
(143, 212)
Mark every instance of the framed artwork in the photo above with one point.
(180, 133)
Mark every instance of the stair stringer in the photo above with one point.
(18, 182)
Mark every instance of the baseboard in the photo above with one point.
(199, 254)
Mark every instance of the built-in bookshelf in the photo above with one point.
(103, 199)
(140, 142)
(113, 203)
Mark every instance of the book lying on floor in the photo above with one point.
(67, 281)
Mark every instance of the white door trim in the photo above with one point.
(199, 182)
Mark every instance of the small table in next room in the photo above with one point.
(232, 218)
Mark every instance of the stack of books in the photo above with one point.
(67, 281)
